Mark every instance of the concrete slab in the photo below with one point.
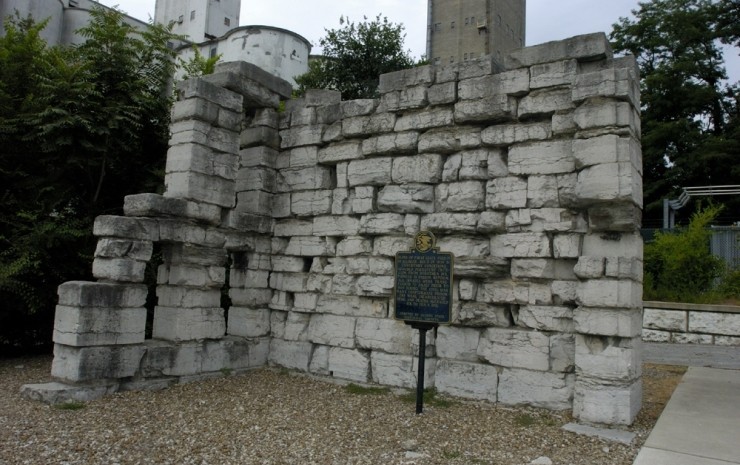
(695, 355)
(701, 423)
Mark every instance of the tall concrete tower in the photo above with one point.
(200, 20)
(460, 30)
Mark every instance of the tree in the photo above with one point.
(355, 56)
(198, 65)
(80, 127)
(689, 112)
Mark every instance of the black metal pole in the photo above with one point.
(420, 380)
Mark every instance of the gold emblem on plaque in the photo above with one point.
(424, 241)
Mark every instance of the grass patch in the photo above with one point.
(71, 405)
(524, 420)
(366, 390)
(430, 398)
(449, 454)
(226, 371)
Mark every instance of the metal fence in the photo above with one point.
(724, 243)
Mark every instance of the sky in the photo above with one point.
(546, 19)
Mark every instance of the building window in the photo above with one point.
(227, 22)
(472, 20)
(465, 57)
(214, 52)
(192, 15)
(467, 21)
(179, 20)
(452, 25)
(438, 27)
(452, 59)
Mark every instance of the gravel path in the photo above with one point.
(275, 417)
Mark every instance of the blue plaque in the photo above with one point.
(423, 290)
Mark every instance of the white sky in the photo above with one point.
(546, 19)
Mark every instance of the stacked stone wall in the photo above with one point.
(530, 175)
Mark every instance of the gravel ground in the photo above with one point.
(275, 417)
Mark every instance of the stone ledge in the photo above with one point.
(692, 307)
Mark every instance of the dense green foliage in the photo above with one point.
(80, 127)
(198, 65)
(679, 266)
(354, 56)
(690, 123)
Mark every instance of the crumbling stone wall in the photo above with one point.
(529, 173)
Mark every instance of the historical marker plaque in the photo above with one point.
(424, 282)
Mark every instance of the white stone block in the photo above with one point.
(296, 326)
(375, 171)
(187, 297)
(458, 343)
(96, 294)
(382, 223)
(253, 298)
(460, 196)
(78, 364)
(386, 335)
(610, 293)
(247, 322)
(123, 248)
(446, 140)
(479, 314)
(567, 245)
(607, 404)
(354, 246)
(407, 198)
(515, 348)
(689, 338)
(539, 389)
(608, 321)
(542, 191)
(507, 134)
(608, 359)
(119, 269)
(666, 320)
(419, 168)
(311, 246)
(727, 324)
(613, 245)
(425, 119)
(553, 74)
(389, 245)
(609, 148)
(510, 292)
(549, 157)
(547, 318)
(352, 305)
(294, 355)
(608, 183)
(651, 335)
(95, 326)
(521, 245)
(332, 330)
(467, 380)
(295, 179)
(339, 152)
(545, 101)
(349, 364)
(505, 193)
(391, 144)
(393, 369)
(185, 324)
(375, 286)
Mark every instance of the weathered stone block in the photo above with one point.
(155, 205)
(714, 323)
(77, 364)
(198, 88)
(587, 47)
(342, 151)
(608, 359)
(368, 125)
(539, 389)
(389, 245)
(446, 140)
(559, 73)
(610, 293)
(311, 203)
(95, 326)
(608, 404)
(247, 322)
(424, 119)
(394, 370)
(607, 114)
(391, 144)
(332, 330)
(491, 109)
(295, 179)
(294, 355)
(609, 148)
(546, 318)
(376, 171)
(626, 323)
(354, 246)
(510, 292)
(620, 83)
(253, 298)
(623, 217)
(480, 267)
(479, 314)
(522, 245)
(443, 93)
(507, 134)
(609, 183)
(545, 102)
(198, 132)
(458, 343)
(467, 380)
(399, 80)
(359, 107)
(450, 222)
(460, 196)
(514, 82)
(407, 198)
(188, 323)
(382, 223)
(542, 191)
(126, 227)
(259, 136)
(506, 193)
(178, 296)
(101, 295)
(381, 334)
(419, 168)
(351, 305)
(515, 348)
(200, 188)
(301, 135)
(550, 157)
(353, 365)
(119, 269)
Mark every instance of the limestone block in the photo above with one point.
(458, 343)
(610, 293)
(266, 117)
(607, 114)
(305, 301)
(545, 102)
(254, 202)
(562, 353)
(375, 286)
(119, 269)
(443, 93)
(255, 93)
(608, 404)
(562, 123)
(288, 282)
(376, 171)
(193, 157)
(247, 322)
(725, 341)
(514, 82)
(510, 292)
(521, 245)
(303, 116)
(589, 267)
(548, 390)
(467, 380)
(179, 296)
(498, 108)
(619, 83)
(341, 151)
(515, 348)
(613, 245)
(608, 359)
(368, 125)
(417, 169)
(559, 73)
(566, 245)
(155, 205)
(388, 245)
(450, 222)
(195, 87)
(625, 323)
(351, 305)
(480, 267)
(281, 205)
(342, 201)
(295, 355)
(622, 217)
(381, 223)
(564, 292)
(277, 324)
(296, 326)
(333, 132)
(507, 134)
(542, 191)
(77, 364)
(475, 68)
(474, 164)
(727, 324)
(624, 268)
(449, 73)
(651, 335)
(479, 314)
(550, 157)
(399, 80)
(505, 193)
(97, 294)
(587, 47)
(259, 136)
(687, 338)
(335, 226)
(125, 227)
(342, 283)
(394, 370)
(354, 246)
(413, 98)
(256, 178)
(253, 298)
(460, 196)
(391, 144)
(449, 140)
(183, 324)
(301, 135)
(294, 179)
(359, 107)
(491, 222)
(567, 190)
(407, 198)
(425, 119)
(200, 188)
(386, 335)
(411, 224)
(293, 227)
(320, 361)
(390, 102)
(467, 289)
(462, 247)
(332, 330)
(363, 200)
(192, 275)
(95, 326)
(353, 365)
(607, 149)
(546, 318)
(322, 97)
(198, 132)
(311, 203)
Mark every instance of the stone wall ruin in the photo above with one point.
(529, 173)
